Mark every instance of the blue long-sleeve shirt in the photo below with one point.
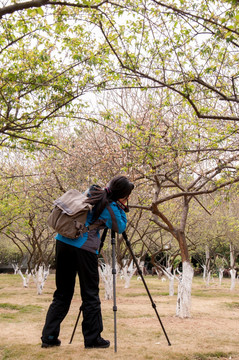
(112, 217)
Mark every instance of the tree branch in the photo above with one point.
(193, 193)
(194, 16)
(38, 3)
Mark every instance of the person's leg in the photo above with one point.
(65, 283)
(92, 324)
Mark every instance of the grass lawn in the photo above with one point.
(212, 332)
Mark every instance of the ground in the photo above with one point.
(211, 332)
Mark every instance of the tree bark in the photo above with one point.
(40, 275)
(220, 275)
(183, 309)
(232, 265)
(183, 246)
(233, 279)
(105, 272)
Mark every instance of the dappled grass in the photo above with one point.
(206, 335)
(212, 356)
(233, 305)
(23, 309)
(213, 293)
(15, 312)
(153, 293)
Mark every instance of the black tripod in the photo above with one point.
(114, 285)
(145, 285)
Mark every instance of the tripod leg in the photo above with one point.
(145, 285)
(77, 320)
(114, 286)
(103, 239)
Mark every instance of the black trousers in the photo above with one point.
(69, 262)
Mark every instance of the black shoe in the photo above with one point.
(51, 343)
(98, 343)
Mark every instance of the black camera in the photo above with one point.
(123, 206)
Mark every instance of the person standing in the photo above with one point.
(79, 257)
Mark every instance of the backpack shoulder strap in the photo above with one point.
(113, 218)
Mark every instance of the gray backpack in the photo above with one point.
(69, 215)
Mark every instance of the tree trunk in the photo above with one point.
(16, 268)
(185, 280)
(171, 285)
(220, 275)
(105, 271)
(208, 278)
(232, 264)
(40, 275)
(184, 291)
(167, 272)
(128, 271)
(25, 278)
(206, 267)
(204, 272)
(233, 279)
